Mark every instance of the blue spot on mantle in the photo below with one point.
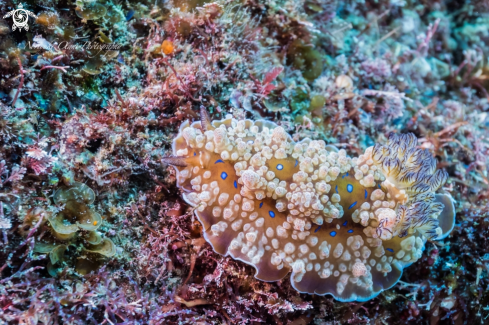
(130, 14)
(366, 193)
(235, 184)
(296, 162)
(261, 204)
(219, 161)
(345, 223)
(353, 204)
(350, 231)
(336, 188)
(333, 233)
(349, 188)
(390, 250)
(317, 229)
(271, 213)
(280, 166)
(224, 175)
(195, 154)
(344, 175)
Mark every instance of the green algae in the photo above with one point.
(306, 58)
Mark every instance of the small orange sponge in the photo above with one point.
(167, 47)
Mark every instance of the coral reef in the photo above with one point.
(94, 94)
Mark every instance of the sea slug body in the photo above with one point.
(344, 226)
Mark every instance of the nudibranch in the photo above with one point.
(344, 226)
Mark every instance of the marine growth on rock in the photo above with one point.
(345, 226)
(75, 225)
